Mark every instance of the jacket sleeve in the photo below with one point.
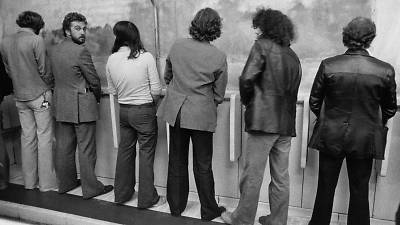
(253, 68)
(42, 60)
(168, 71)
(90, 74)
(219, 86)
(388, 100)
(318, 91)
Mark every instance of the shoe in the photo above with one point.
(264, 220)
(161, 201)
(106, 189)
(227, 217)
(220, 210)
(77, 184)
(3, 186)
(175, 214)
(122, 202)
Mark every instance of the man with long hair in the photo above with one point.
(76, 94)
(24, 56)
(268, 88)
(132, 76)
(196, 75)
(358, 92)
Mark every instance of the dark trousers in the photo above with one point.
(178, 177)
(138, 123)
(359, 172)
(68, 137)
(398, 216)
(4, 160)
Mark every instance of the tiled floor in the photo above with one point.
(297, 216)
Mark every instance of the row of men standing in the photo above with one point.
(353, 86)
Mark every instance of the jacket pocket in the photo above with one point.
(87, 107)
(379, 142)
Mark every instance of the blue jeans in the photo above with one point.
(37, 143)
(259, 148)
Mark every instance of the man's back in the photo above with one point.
(24, 58)
(77, 84)
(359, 93)
(65, 65)
(195, 65)
(268, 87)
(355, 83)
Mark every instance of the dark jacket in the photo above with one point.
(77, 85)
(6, 86)
(359, 95)
(268, 88)
(196, 75)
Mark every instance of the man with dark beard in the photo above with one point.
(77, 92)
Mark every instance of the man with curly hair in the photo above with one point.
(268, 88)
(25, 60)
(76, 93)
(196, 75)
(359, 96)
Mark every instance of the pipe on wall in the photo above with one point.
(156, 34)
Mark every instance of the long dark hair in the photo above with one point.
(127, 34)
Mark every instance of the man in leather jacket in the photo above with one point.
(358, 92)
(268, 88)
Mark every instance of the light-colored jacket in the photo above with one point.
(77, 85)
(196, 75)
(24, 56)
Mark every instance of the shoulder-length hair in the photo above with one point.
(206, 25)
(274, 25)
(127, 34)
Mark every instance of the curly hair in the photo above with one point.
(31, 20)
(206, 25)
(71, 17)
(274, 25)
(359, 33)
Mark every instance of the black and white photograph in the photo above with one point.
(178, 112)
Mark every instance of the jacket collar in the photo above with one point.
(25, 29)
(363, 52)
(69, 40)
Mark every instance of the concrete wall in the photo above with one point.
(318, 22)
